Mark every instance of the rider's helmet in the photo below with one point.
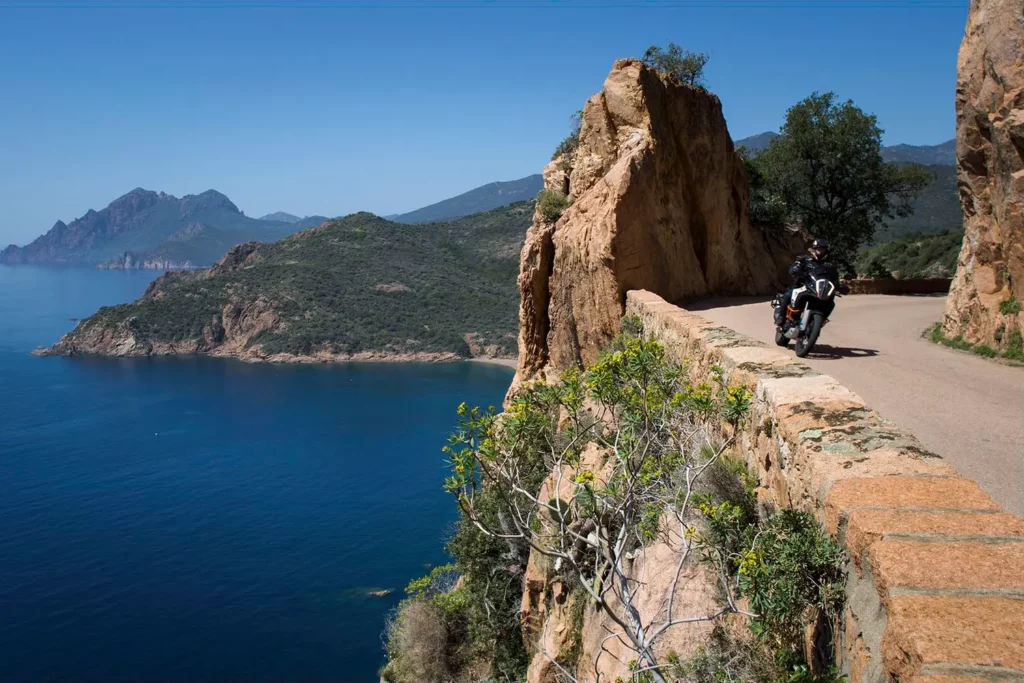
(819, 249)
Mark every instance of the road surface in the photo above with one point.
(969, 410)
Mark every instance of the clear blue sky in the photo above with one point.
(333, 109)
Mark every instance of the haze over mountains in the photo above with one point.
(483, 198)
(147, 227)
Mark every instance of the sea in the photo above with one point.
(200, 519)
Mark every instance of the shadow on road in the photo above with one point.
(826, 352)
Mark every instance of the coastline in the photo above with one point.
(169, 350)
(511, 363)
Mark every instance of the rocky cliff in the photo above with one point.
(129, 260)
(984, 301)
(659, 201)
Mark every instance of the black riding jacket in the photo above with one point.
(807, 267)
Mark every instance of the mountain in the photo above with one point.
(942, 154)
(483, 198)
(150, 226)
(355, 287)
(281, 217)
(755, 143)
(936, 209)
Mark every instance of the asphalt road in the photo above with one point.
(969, 410)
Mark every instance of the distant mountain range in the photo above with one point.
(942, 154)
(153, 229)
(936, 209)
(483, 198)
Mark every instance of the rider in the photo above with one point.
(815, 263)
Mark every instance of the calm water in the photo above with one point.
(198, 519)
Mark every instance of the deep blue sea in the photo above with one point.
(197, 519)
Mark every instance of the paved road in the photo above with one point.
(969, 410)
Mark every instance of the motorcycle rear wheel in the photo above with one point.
(806, 341)
(780, 338)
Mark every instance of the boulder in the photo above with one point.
(990, 176)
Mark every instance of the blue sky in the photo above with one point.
(332, 107)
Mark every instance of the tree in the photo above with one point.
(656, 436)
(682, 65)
(827, 169)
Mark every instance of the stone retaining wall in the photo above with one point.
(894, 286)
(936, 579)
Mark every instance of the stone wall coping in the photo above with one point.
(936, 578)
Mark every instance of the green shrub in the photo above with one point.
(1015, 346)
(735, 658)
(1009, 306)
(1014, 343)
(678, 64)
(552, 204)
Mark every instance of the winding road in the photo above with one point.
(969, 410)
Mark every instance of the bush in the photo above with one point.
(1009, 306)
(735, 658)
(552, 204)
(1015, 346)
(678, 64)
(419, 640)
(874, 268)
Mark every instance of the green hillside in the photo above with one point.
(936, 209)
(912, 256)
(356, 284)
(483, 198)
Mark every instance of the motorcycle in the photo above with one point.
(803, 324)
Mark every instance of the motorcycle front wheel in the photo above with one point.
(806, 341)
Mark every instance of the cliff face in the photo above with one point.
(131, 261)
(659, 202)
(990, 175)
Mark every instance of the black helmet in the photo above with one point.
(819, 249)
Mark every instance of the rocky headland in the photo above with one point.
(359, 288)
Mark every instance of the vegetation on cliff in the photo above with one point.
(354, 285)
(683, 66)
(572, 486)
